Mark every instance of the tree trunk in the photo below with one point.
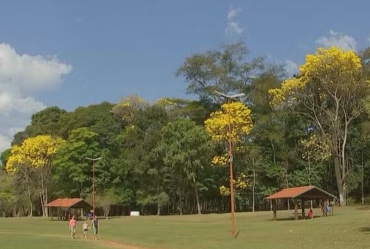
(43, 197)
(197, 197)
(273, 152)
(46, 202)
(253, 187)
(287, 185)
(106, 212)
(340, 184)
(271, 205)
(180, 201)
(362, 178)
(158, 209)
(309, 175)
(30, 202)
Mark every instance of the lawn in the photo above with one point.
(348, 228)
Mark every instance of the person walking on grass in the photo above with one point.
(85, 228)
(72, 226)
(95, 225)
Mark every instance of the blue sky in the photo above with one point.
(71, 53)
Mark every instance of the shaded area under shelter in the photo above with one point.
(305, 193)
(64, 206)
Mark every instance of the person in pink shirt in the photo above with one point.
(72, 226)
(310, 214)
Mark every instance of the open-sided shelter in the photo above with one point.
(301, 193)
(67, 204)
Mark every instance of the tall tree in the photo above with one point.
(71, 165)
(331, 90)
(234, 117)
(97, 118)
(238, 116)
(187, 150)
(141, 162)
(106, 198)
(45, 122)
(36, 154)
(226, 70)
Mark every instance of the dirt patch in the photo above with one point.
(107, 243)
(117, 245)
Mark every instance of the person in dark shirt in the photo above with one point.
(95, 225)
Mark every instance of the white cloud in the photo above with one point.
(4, 143)
(342, 41)
(22, 76)
(233, 27)
(291, 67)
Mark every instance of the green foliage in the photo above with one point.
(70, 162)
(157, 156)
(226, 70)
(5, 156)
(7, 192)
(44, 122)
(106, 199)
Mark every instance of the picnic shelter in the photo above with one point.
(301, 193)
(64, 206)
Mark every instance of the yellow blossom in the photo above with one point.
(35, 152)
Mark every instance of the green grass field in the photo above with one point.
(348, 228)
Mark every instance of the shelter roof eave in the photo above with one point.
(298, 192)
(68, 203)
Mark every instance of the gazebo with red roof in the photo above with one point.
(69, 203)
(300, 193)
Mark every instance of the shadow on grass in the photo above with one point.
(237, 234)
(364, 208)
(365, 229)
(88, 220)
(293, 219)
(111, 217)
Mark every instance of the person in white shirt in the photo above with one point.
(85, 228)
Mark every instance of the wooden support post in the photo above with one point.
(296, 209)
(332, 208)
(274, 209)
(303, 214)
(325, 203)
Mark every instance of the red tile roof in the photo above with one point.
(65, 202)
(290, 192)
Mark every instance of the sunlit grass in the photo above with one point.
(347, 228)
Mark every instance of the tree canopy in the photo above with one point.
(171, 155)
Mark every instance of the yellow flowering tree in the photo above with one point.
(315, 149)
(240, 183)
(35, 155)
(128, 107)
(331, 90)
(217, 126)
(166, 102)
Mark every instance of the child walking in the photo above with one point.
(85, 228)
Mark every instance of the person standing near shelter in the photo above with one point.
(95, 225)
(310, 214)
(72, 226)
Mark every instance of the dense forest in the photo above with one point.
(170, 156)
